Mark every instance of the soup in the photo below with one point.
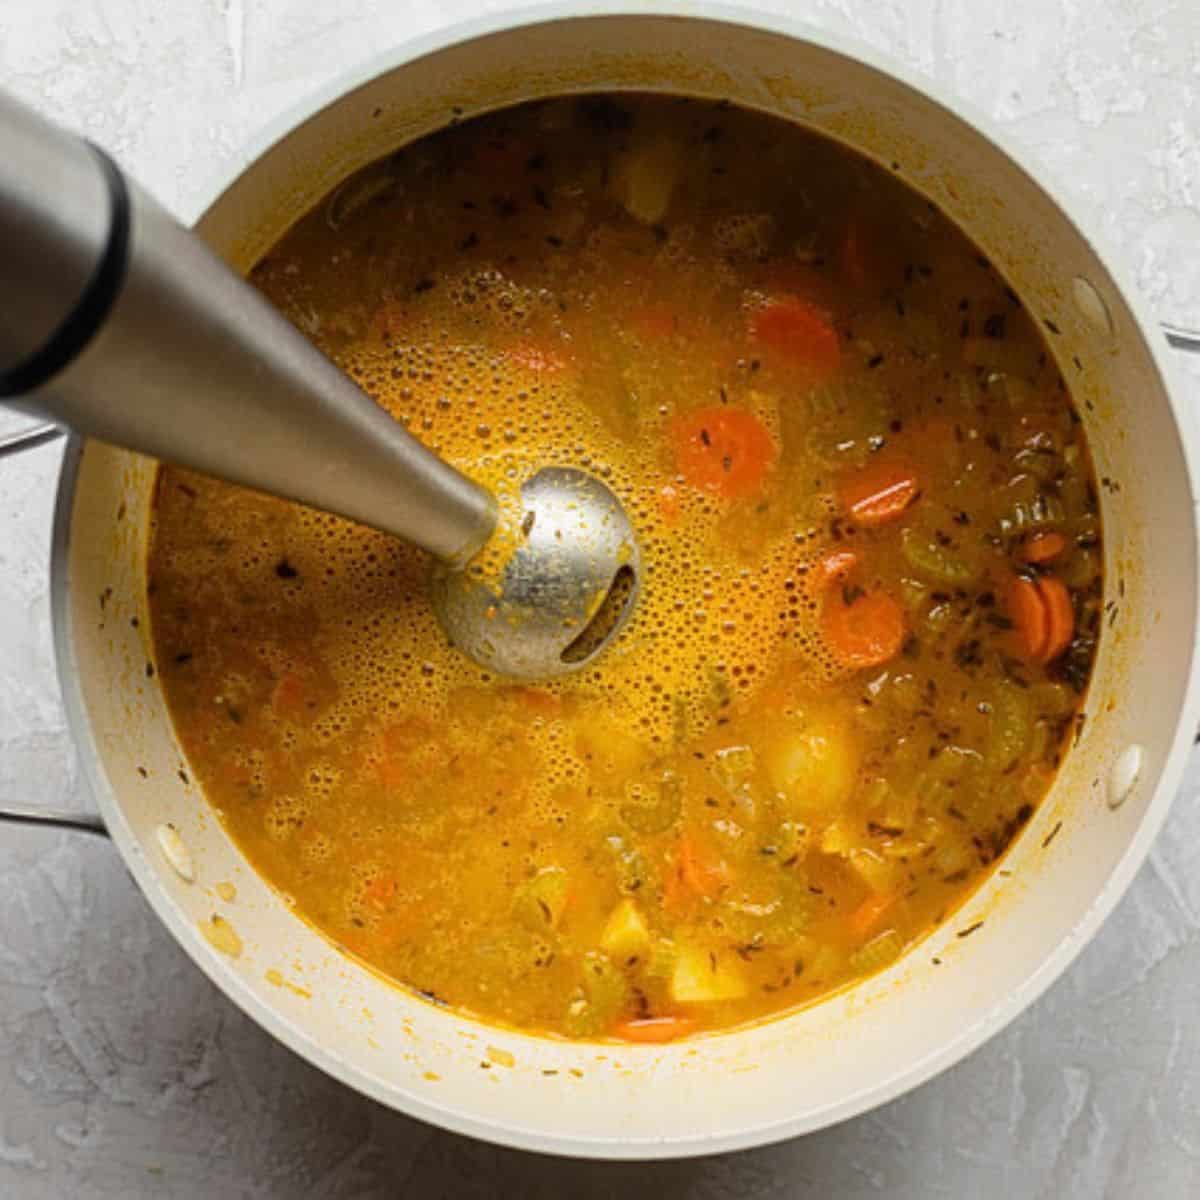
(870, 594)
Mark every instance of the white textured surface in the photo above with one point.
(124, 1074)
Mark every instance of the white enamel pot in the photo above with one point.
(1063, 875)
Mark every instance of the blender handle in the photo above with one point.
(124, 326)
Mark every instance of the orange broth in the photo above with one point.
(871, 590)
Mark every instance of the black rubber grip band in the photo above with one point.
(94, 304)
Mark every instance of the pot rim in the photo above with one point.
(993, 1018)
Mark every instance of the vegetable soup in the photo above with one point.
(870, 592)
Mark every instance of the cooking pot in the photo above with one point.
(1060, 879)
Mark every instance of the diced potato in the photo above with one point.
(610, 750)
(893, 806)
(815, 771)
(846, 839)
(881, 875)
(794, 841)
(701, 976)
(539, 902)
(644, 178)
(901, 809)
(625, 933)
(840, 838)
(660, 963)
(922, 833)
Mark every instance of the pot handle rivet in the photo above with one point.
(1092, 306)
(175, 851)
(1123, 775)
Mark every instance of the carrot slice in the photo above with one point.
(864, 633)
(693, 872)
(704, 873)
(724, 450)
(1060, 616)
(835, 566)
(799, 331)
(1043, 547)
(653, 1030)
(1028, 612)
(1043, 615)
(879, 492)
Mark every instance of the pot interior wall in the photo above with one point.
(830, 1061)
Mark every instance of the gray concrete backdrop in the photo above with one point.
(123, 1074)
